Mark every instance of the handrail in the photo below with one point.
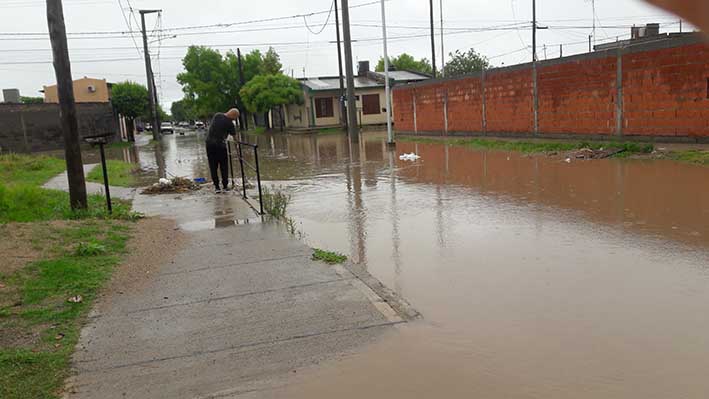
(256, 168)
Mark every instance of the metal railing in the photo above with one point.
(243, 162)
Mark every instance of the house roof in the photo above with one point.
(372, 80)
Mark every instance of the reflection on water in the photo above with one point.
(536, 278)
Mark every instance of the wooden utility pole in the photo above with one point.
(352, 125)
(341, 97)
(67, 106)
(154, 117)
(433, 40)
(243, 118)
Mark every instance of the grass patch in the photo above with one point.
(32, 204)
(20, 169)
(257, 130)
(120, 144)
(696, 157)
(36, 304)
(120, 174)
(331, 258)
(535, 146)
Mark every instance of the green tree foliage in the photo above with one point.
(252, 64)
(130, 100)
(271, 63)
(183, 110)
(265, 92)
(462, 64)
(406, 62)
(32, 100)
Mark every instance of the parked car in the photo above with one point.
(184, 124)
(149, 127)
(166, 128)
(199, 125)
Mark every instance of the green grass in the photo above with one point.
(18, 169)
(37, 304)
(257, 130)
(697, 157)
(275, 203)
(120, 174)
(535, 146)
(120, 144)
(331, 258)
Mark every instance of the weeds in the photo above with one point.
(91, 248)
(691, 156)
(275, 202)
(18, 169)
(331, 258)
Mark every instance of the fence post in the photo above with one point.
(445, 112)
(243, 175)
(416, 128)
(619, 93)
(258, 179)
(482, 89)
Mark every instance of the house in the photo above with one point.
(321, 105)
(86, 90)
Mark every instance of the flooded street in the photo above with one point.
(535, 278)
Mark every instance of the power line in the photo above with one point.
(125, 18)
(305, 20)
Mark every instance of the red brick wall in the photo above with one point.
(665, 93)
(465, 105)
(578, 97)
(509, 101)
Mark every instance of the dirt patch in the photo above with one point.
(17, 247)
(155, 243)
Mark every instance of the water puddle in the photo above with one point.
(536, 278)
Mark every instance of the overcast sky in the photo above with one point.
(487, 25)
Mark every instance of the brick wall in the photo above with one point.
(658, 89)
(36, 127)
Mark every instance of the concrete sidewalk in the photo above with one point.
(61, 182)
(240, 309)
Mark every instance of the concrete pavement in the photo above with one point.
(61, 182)
(241, 308)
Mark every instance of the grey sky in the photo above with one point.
(300, 50)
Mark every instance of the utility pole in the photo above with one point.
(433, 40)
(341, 97)
(67, 106)
(387, 90)
(534, 30)
(561, 50)
(590, 47)
(244, 119)
(154, 117)
(352, 126)
(593, 7)
(443, 52)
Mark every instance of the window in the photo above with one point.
(370, 104)
(323, 108)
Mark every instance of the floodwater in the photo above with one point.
(535, 278)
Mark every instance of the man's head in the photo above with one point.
(232, 114)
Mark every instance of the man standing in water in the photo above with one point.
(221, 127)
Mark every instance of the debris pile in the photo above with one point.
(588, 153)
(174, 186)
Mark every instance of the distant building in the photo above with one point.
(321, 106)
(650, 33)
(86, 90)
(11, 95)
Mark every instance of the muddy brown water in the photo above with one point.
(536, 278)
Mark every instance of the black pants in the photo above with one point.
(218, 159)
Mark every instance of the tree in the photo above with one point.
(183, 110)
(206, 80)
(264, 92)
(32, 100)
(406, 62)
(253, 65)
(271, 64)
(462, 64)
(130, 100)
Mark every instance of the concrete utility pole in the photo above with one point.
(387, 90)
(67, 106)
(534, 30)
(352, 126)
(443, 52)
(433, 40)
(154, 116)
(341, 97)
(244, 119)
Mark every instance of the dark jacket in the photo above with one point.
(219, 129)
